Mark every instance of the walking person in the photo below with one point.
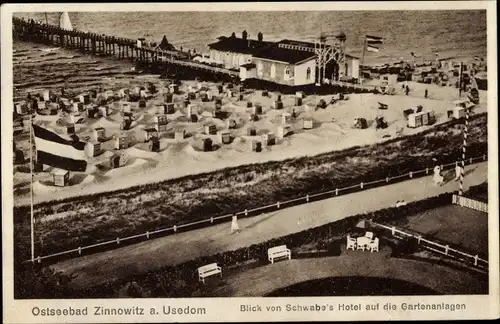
(426, 93)
(235, 228)
(458, 171)
(407, 90)
(438, 178)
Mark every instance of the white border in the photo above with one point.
(227, 309)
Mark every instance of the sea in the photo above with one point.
(450, 33)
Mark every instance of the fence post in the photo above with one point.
(307, 198)
(475, 259)
(117, 240)
(411, 174)
(393, 230)
(147, 235)
(387, 179)
(419, 238)
(361, 185)
(277, 204)
(246, 212)
(441, 166)
(39, 259)
(470, 161)
(446, 249)
(79, 250)
(484, 157)
(175, 228)
(336, 191)
(211, 219)
(426, 170)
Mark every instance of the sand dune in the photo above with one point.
(135, 152)
(105, 122)
(333, 130)
(136, 163)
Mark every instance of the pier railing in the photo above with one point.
(111, 244)
(101, 44)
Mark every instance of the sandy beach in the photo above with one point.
(332, 130)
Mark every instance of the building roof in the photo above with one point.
(238, 45)
(165, 45)
(304, 45)
(290, 51)
(291, 56)
(286, 50)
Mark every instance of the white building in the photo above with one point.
(294, 63)
(232, 51)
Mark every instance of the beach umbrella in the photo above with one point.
(362, 224)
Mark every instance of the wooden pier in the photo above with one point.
(103, 45)
(152, 59)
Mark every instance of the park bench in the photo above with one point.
(209, 270)
(278, 252)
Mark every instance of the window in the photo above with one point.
(260, 69)
(273, 71)
(308, 73)
(289, 73)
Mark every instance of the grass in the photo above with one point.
(181, 281)
(135, 210)
(460, 226)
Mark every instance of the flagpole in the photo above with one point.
(32, 220)
(363, 61)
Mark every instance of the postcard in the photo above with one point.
(200, 162)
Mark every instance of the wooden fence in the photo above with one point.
(470, 203)
(437, 247)
(279, 204)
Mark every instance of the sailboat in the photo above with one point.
(65, 22)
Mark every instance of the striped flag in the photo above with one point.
(59, 152)
(371, 41)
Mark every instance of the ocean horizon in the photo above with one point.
(451, 33)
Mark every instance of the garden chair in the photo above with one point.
(369, 235)
(351, 243)
(373, 246)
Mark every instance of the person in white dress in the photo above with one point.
(235, 228)
(438, 178)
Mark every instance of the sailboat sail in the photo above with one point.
(65, 22)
